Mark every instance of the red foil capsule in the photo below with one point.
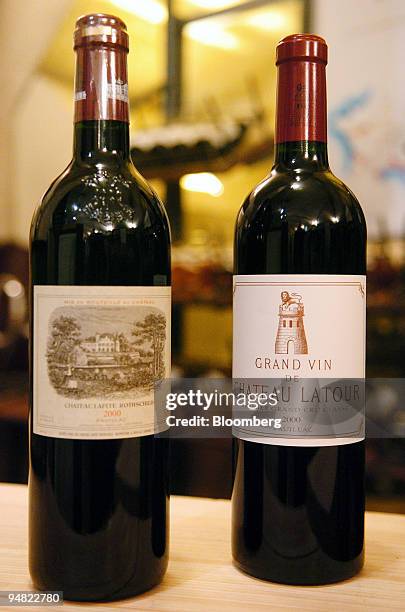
(101, 83)
(301, 90)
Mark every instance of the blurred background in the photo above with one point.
(202, 92)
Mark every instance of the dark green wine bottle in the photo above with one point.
(299, 315)
(100, 337)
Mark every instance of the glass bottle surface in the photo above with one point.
(298, 512)
(99, 508)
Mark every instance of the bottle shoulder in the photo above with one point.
(300, 197)
(101, 197)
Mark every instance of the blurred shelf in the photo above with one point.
(14, 408)
(169, 161)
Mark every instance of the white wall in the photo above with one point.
(26, 29)
(366, 88)
(42, 148)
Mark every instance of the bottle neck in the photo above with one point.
(302, 155)
(96, 140)
(301, 117)
(101, 103)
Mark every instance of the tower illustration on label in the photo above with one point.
(291, 332)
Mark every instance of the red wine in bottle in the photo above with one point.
(100, 337)
(299, 314)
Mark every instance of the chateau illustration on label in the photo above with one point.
(291, 332)
(105, 351)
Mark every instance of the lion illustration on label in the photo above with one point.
(291, 332)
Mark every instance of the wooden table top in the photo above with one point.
(201, 577)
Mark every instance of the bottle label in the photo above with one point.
(101, 86)
(307, 334)
(97, 352)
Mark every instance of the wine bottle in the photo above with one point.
(100, 337)
(299, 315)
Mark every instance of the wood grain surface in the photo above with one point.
(201, 577)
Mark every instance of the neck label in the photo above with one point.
(301, 102)
(101, 87)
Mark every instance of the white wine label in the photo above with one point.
(97, 352)
(308, 333)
